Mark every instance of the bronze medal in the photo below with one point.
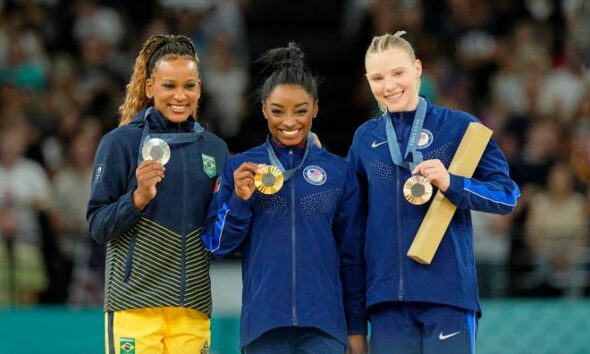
(270, 180)
(417, 190)
(156, 149)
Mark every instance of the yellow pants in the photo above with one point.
(159, 330)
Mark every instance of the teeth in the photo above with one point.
(290, 132)
(177, 107)
(394, 96)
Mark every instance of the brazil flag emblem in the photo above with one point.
(209, 165)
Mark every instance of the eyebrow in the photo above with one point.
(168, 79)
(296, 106)
(397, 68)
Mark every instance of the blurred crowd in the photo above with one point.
(520, 66)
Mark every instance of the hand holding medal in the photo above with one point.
(418, 188)
(148, 174)
(244, 179)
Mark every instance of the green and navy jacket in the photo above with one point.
(155, 258)
(301, 247)
(392, 222)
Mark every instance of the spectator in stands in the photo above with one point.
(24, 193)
(227, 82)
(557, 234)
(71, 191)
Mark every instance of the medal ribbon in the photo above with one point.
(415, 157)
(288, 174)
(169, 138)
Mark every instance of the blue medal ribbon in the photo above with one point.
(288, 174)
(412, 156)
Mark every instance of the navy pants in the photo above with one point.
(422, 328)
(295, 340)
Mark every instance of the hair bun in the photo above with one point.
(278, 58)
(286, 65)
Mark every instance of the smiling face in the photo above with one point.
(394, 79)
(289, 110)
(175, 87)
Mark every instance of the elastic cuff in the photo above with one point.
(239, 208)
(357, 325)
(129, 205)
(455, 191)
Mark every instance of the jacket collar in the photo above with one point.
(283, 150)
(160, 124)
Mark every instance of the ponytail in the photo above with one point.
(155, 49)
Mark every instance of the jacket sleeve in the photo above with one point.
(228, 219)
(355, 161)
(490, 189)
(111, 211)
(350, 236)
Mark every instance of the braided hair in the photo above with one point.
(388, 41)
(155, 49)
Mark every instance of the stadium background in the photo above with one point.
(521, 66)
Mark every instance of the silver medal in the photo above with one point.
(156, 149)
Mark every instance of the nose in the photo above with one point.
(179, 94)
(390, 83)
(290, 121)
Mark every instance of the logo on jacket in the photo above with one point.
(127, 345)
(377, 144)
(98, 173)
(425, 139)
(315, 175)
(209, 165)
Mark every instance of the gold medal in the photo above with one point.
(156, 149)
(417, 189)
(270, 180)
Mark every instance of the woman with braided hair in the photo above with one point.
(158, 296)
(293, 211)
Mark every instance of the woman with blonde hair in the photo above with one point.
(400, 157)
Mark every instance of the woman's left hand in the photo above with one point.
(357, 344)
(435, 172)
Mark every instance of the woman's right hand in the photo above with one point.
(244, 180)
(148, 174)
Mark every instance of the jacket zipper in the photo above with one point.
(400, 291)
(293, 246)
(183, 230)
